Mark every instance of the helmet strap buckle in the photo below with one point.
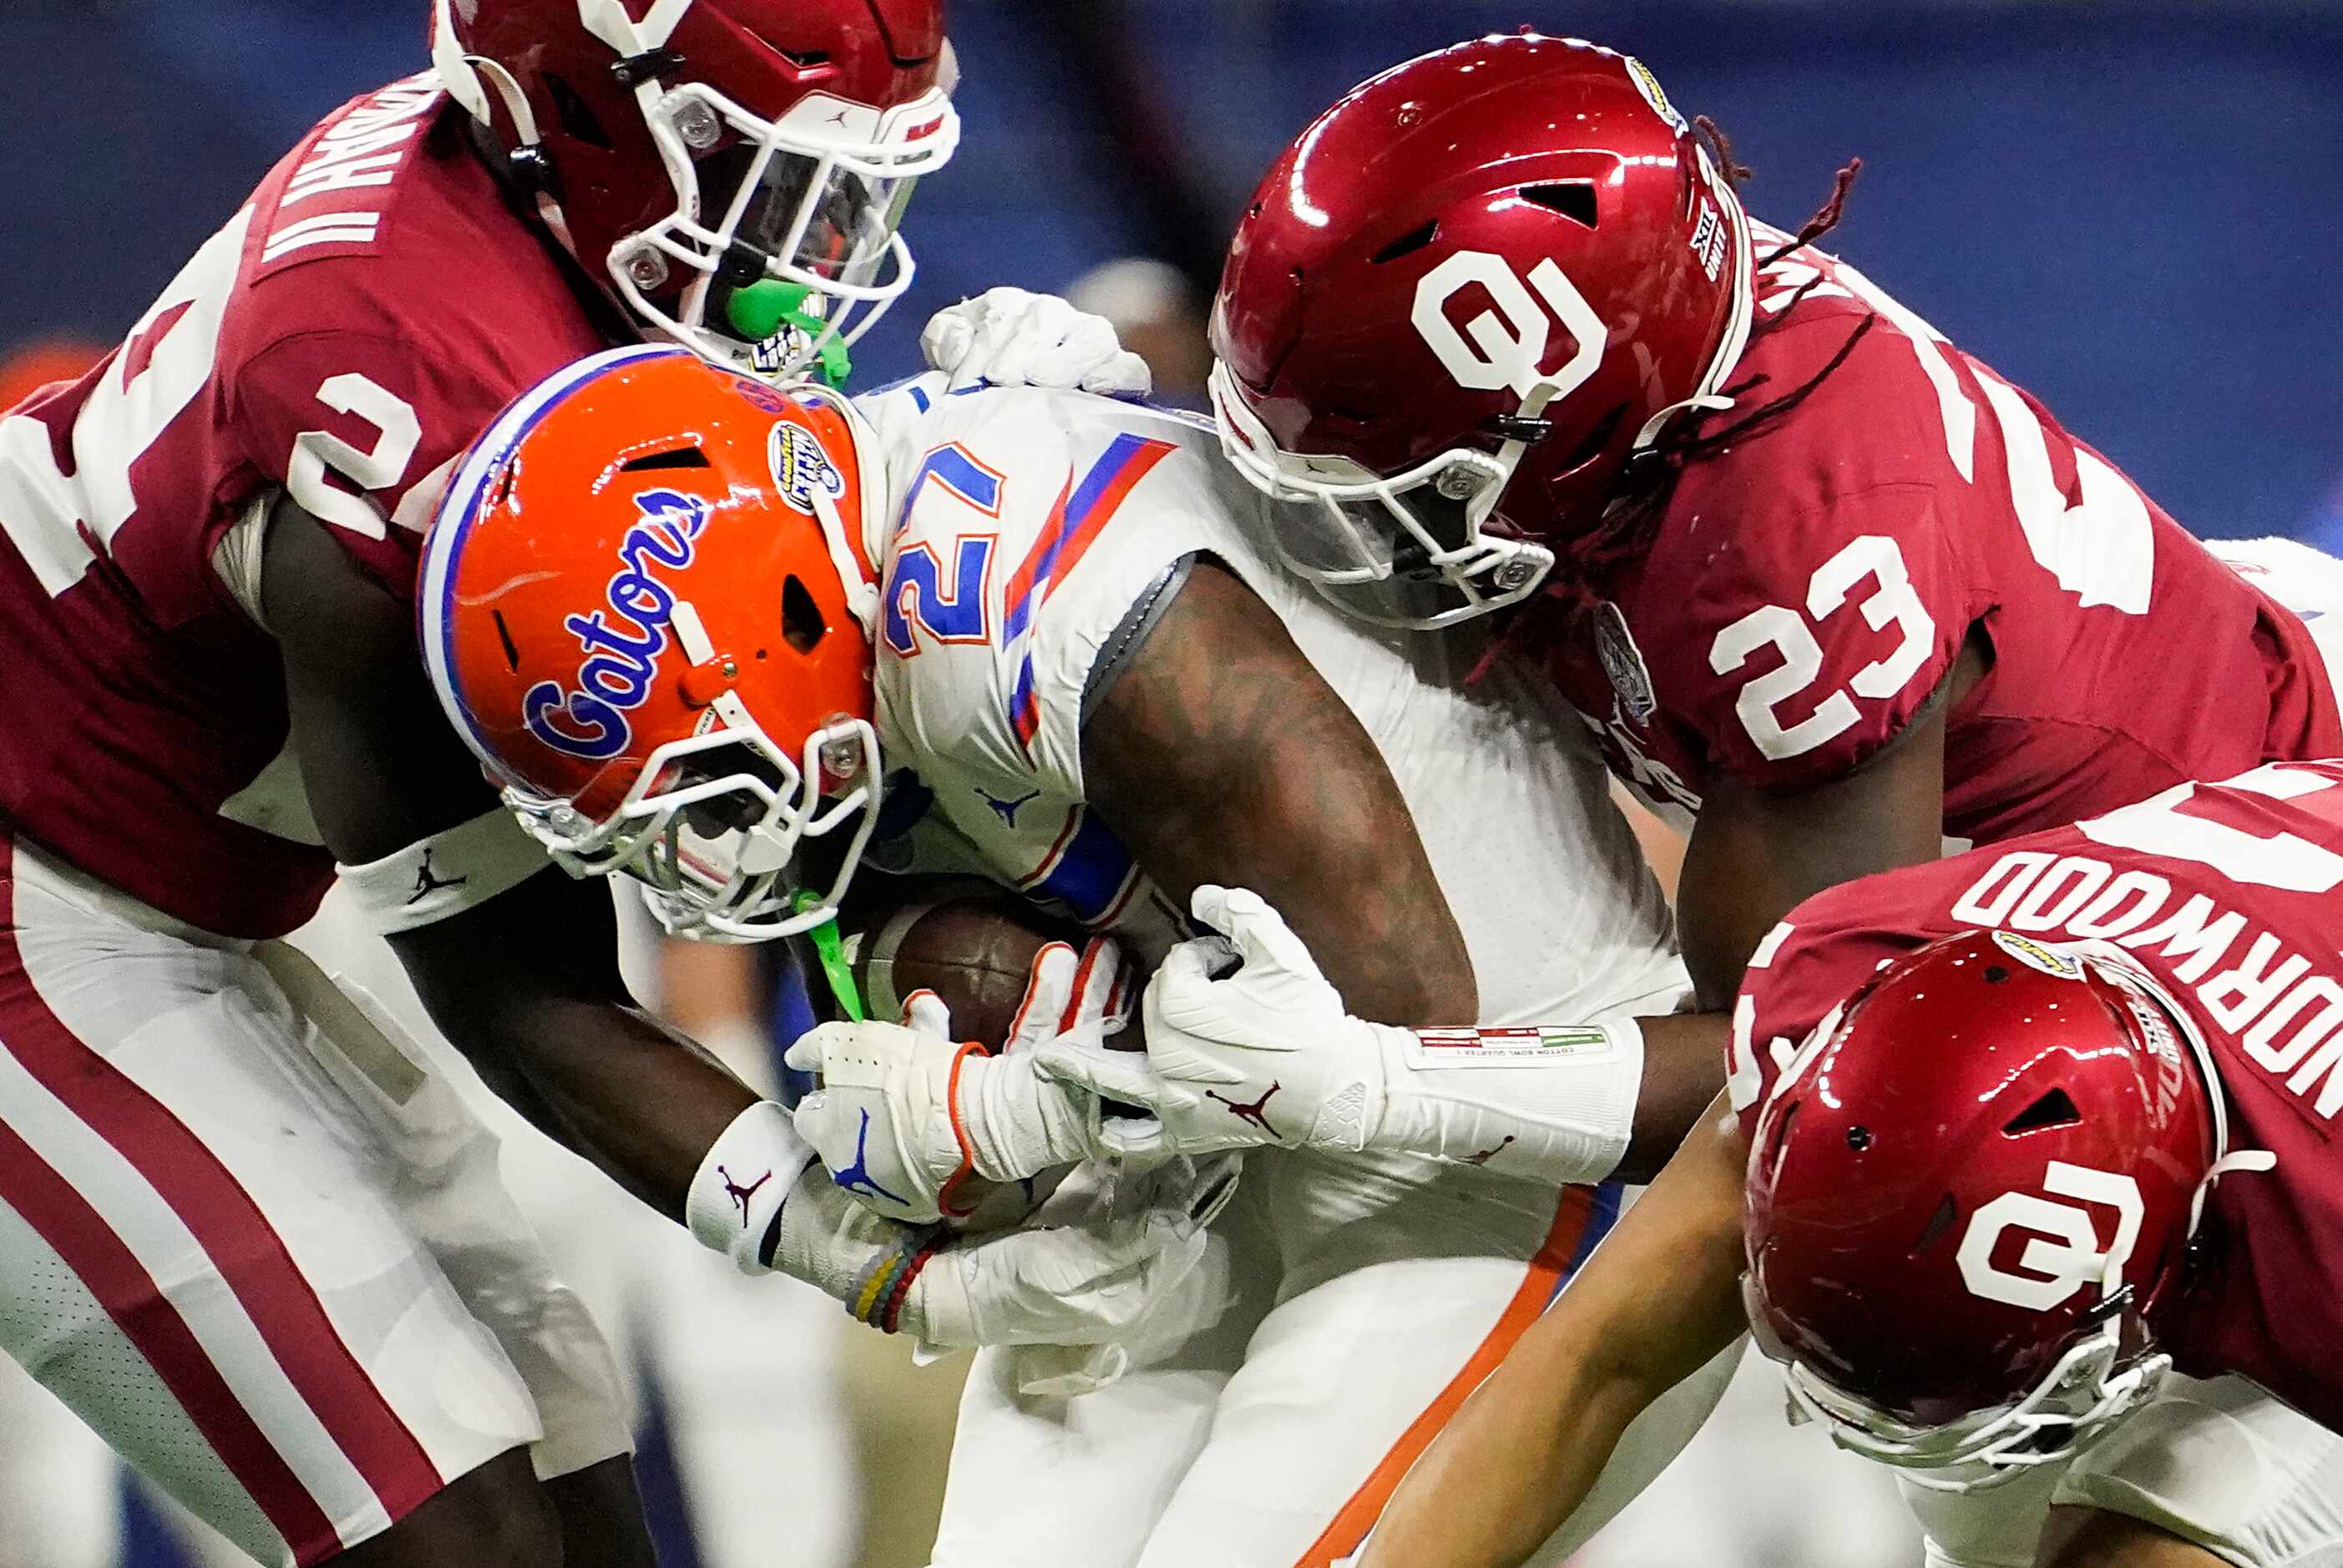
(531, 170)
(649, 65)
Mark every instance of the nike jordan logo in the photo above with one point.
(856, 1178)
(1256, 1113)
(740, 1194)
(426, 884)
(1486, 1155)
(1007, 810)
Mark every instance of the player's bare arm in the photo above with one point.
(1658, 1301)
(1756, 854)
(1222, 757)
(1220, 754)
(526, 984)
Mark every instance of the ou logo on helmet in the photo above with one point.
(2063, 1255)
(1506, 346)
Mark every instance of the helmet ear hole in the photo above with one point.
(802, 626)
(2056, 1108)
(576, 117)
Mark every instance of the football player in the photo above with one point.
(1823, 587)
(1095, 685)
(246, 1234)
(2027, 1140)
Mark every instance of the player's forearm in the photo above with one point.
(641, 1102)
(1517, 1461)
(1560, 1103)
(1657, 1303)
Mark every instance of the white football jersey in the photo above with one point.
(1030, 530)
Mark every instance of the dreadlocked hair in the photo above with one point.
(1624, 533)
(1627, 522)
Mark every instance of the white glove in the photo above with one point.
(1265, 1056)
(1061, 1286)
(1013, 339)
(906, 1117)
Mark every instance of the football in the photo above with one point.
(967, 940)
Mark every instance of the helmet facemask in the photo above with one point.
(810, 201)
(1409, 551)
(714, 825)
(2101, 1377)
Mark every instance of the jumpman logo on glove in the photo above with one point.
(856, 1178)
(1257, 1112)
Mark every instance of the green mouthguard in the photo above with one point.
(766, 308)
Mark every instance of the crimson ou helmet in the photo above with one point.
(645, 606)
(736, 168)
(1970, 1196)
(1465, 296)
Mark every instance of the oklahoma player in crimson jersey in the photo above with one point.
(244, 1233)
(1819, 583)
(2017, 1131)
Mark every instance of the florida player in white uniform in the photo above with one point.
(1034, 617)
(1090, 688)
(245, 1233)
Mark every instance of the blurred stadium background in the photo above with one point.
(2134, 209)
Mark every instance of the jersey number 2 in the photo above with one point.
(54, 521)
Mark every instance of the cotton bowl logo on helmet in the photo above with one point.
(2034, 955)
(622, 639)
(800, 465)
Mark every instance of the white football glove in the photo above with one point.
(905, 1116)
(1265, 1056)
(1059, 1286)
(1011, 337)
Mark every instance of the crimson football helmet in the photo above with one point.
(645, 606)
(1968, 1198)
(1458, 303)
(738, 168)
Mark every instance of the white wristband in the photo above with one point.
(739, 1189)
(445, 874)
(1549, 1102)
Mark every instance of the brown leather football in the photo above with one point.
(969, 942)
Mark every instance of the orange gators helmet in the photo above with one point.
(644, 604)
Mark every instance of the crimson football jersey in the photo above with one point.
(349, 331)
(1810, 585)
(2232, 896)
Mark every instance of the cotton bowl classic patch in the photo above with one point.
(2034, 955)
(1444, 1047)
